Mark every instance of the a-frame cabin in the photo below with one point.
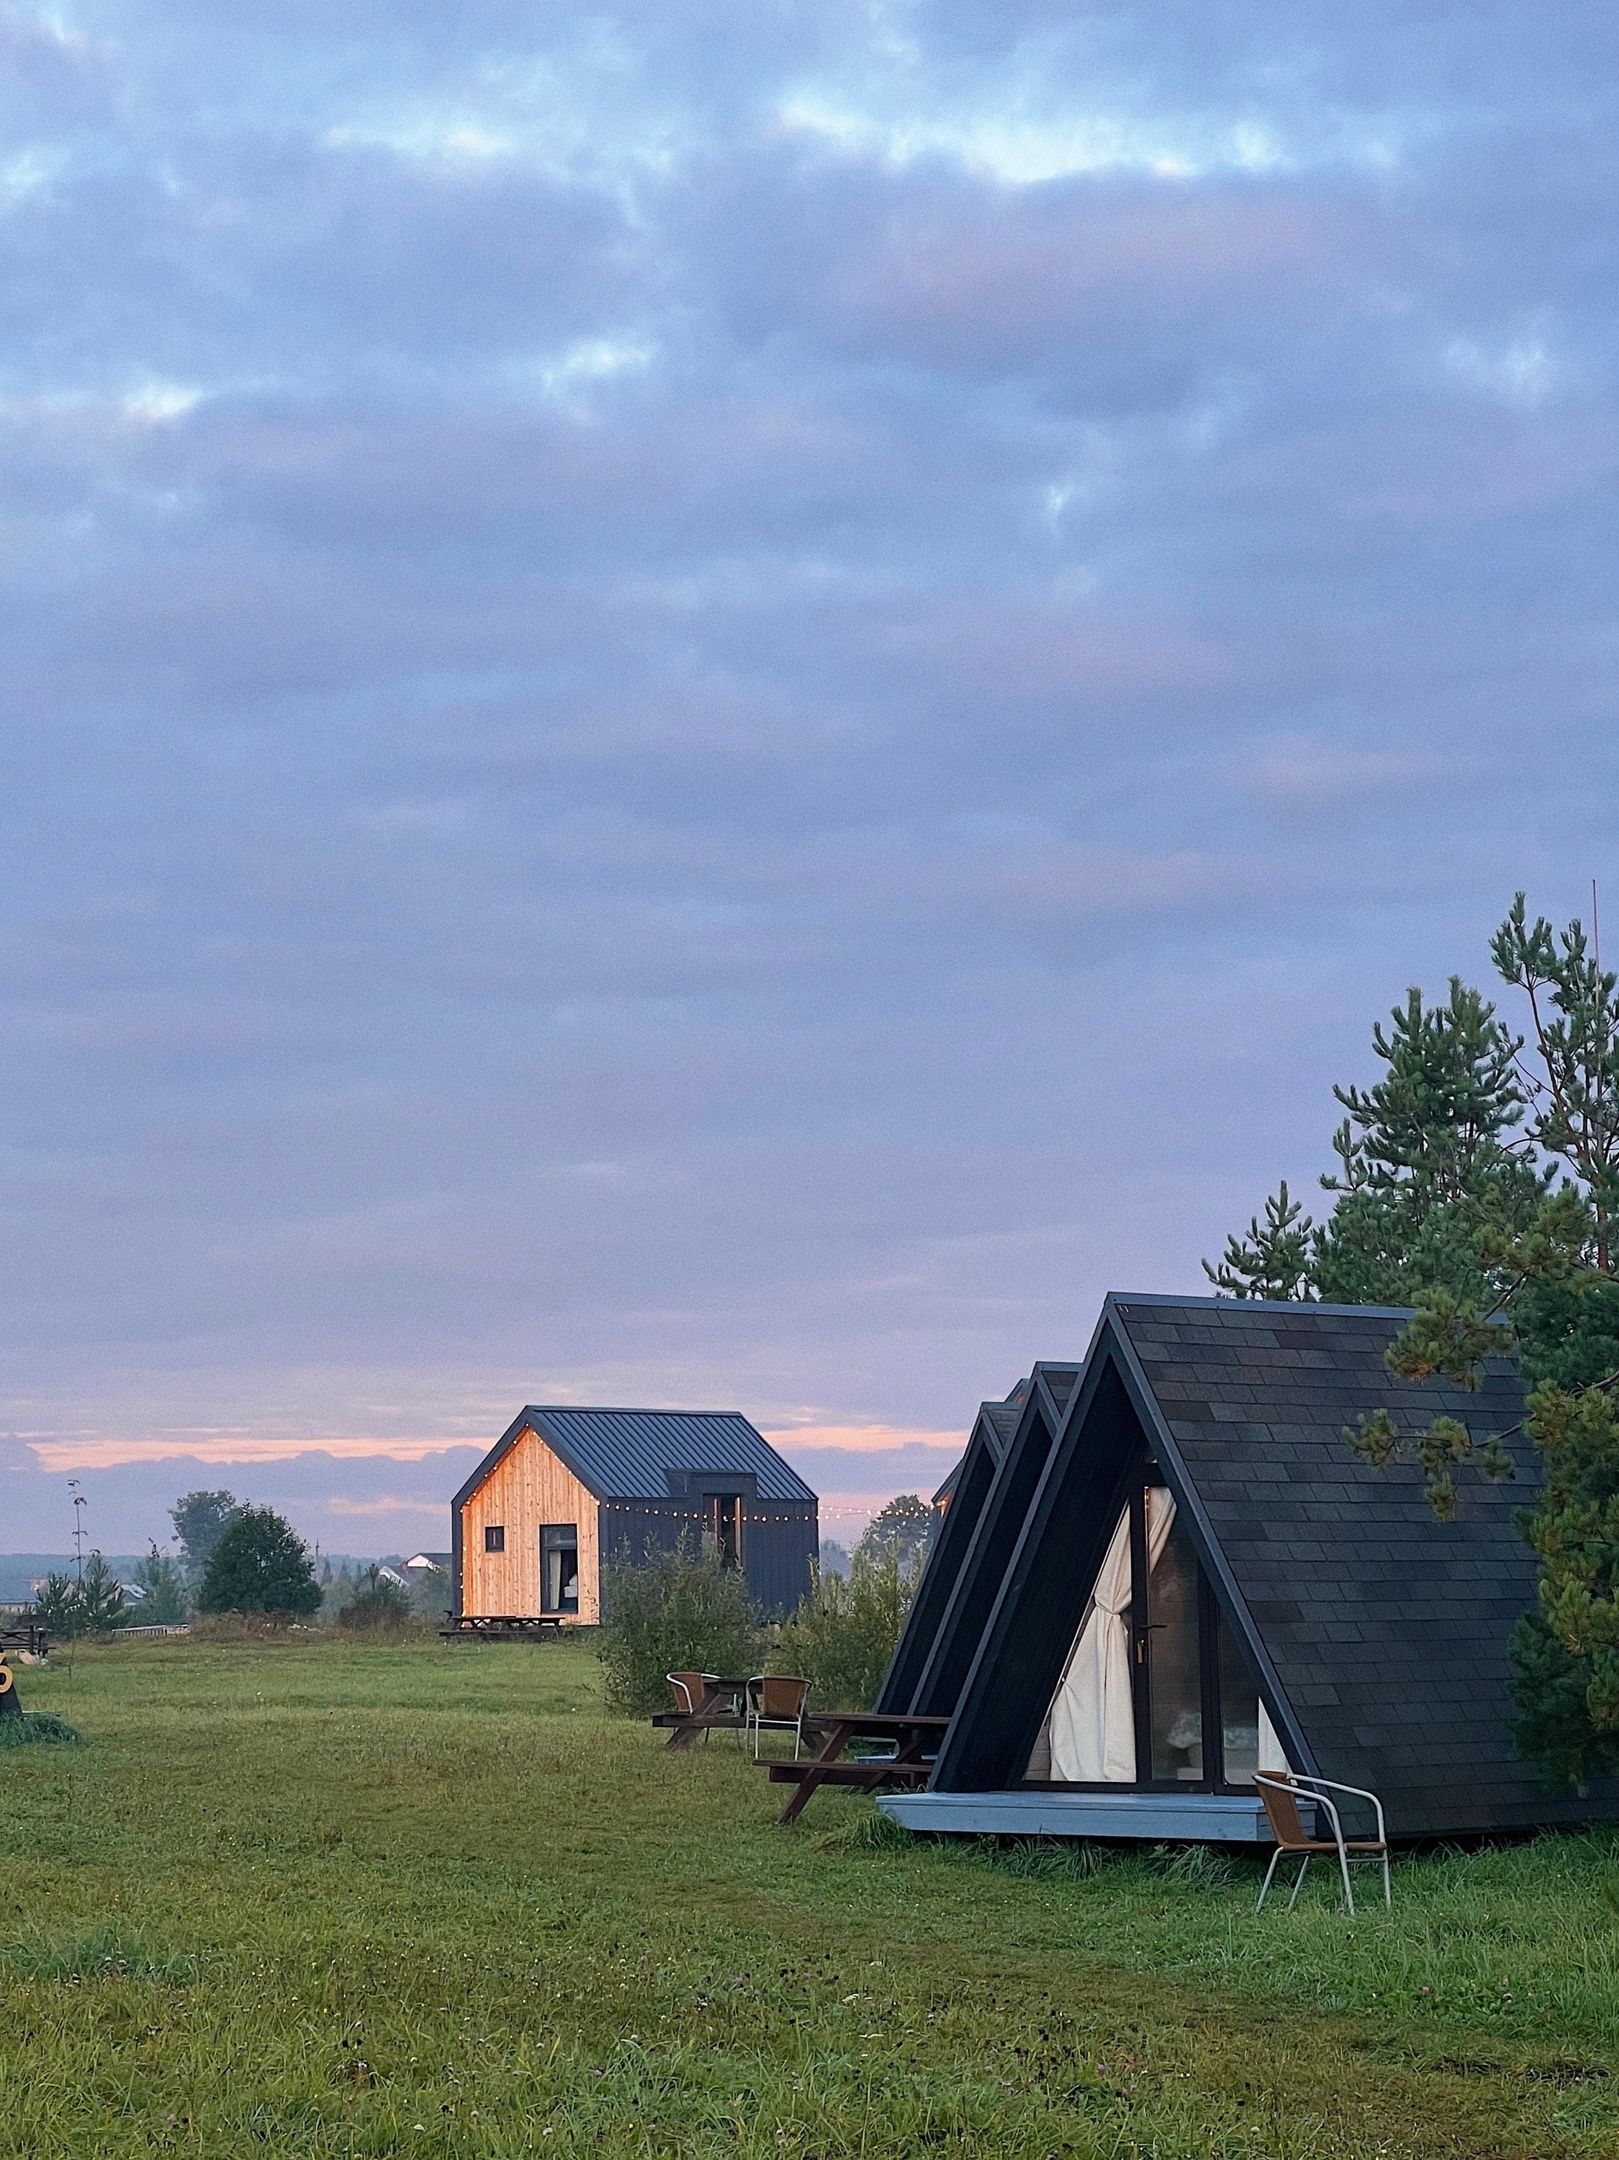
(1176, 1572)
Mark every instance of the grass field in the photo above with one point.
(344, 1900)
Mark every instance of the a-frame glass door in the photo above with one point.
(1170, 1674)
(1157, 1692)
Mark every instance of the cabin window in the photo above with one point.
(724, 1526)
(559, 1567)
(494, 1537)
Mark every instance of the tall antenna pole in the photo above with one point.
(78, 1528)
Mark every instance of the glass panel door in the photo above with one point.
(1173, 1662)
(559, 1568)
(725, 1527)
(1239, 1709)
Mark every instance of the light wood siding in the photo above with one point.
(529, 1486)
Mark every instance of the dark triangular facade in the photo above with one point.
(1374, 1636)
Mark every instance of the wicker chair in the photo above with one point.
(775, 1703)
(1281, 1793)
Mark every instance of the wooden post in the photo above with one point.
(9, 1705)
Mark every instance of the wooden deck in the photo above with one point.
(1167, 1817)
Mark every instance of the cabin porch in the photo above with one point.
(1153, 1817)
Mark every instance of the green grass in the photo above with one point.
(350, 1900)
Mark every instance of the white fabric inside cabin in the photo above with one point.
(1092, 1725)
(1272, 1754)
(1089, 1736)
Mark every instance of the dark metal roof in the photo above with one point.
(632, 1454)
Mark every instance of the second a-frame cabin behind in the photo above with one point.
(1165, 1569)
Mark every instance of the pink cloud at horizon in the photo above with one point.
(96, 1451)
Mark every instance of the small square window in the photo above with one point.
(494, 1537)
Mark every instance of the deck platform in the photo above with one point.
(1201, 1818)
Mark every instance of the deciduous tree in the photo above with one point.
(260, 1564)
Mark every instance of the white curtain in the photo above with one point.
(1272, 1754)
(1092, 1725)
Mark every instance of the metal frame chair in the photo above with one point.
(687, 1689)
(1281, 1792)
(775, 1703)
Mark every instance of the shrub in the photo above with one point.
(676, 1611)
(842, 1637)
(38, 1727)
(260, 1565)
(378, 1604)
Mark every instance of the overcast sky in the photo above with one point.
(723, 704)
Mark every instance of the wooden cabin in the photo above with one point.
(1163, 1569)
(565, 1490)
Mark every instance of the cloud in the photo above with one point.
(726, 709)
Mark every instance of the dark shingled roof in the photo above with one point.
(631, 1454)
(1384, 1631)
(1388, 1629)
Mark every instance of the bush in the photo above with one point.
(260, 1565)
(43, 1728)
(377, 1605)
(677, 1611)
(841, 1639)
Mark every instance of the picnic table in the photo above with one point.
(721, 1710)
(915, 1742)
(501, 1627)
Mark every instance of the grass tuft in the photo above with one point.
(42, 1728)
(105, 1953)
(864, 1828)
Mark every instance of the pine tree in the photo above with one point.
(57, 1607)
(100, 1597)
(1432, 1172)
(1428, 1178)
(1275, 1259)
(163, 1599)
(1550, 1291)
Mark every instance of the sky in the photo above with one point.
(722, 705)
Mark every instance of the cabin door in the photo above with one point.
(559, 1568)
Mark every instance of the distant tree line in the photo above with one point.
(233, 1558)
